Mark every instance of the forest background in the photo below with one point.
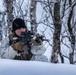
(55, 19)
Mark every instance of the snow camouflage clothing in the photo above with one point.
(22, 50)
(8, 51)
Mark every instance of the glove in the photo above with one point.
(35, 42)
(38, 40)
(18, 46)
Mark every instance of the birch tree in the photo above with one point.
(70, 29)
(0, 27)
(33, 16)
(9, 11)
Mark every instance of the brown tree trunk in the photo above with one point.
(57, 31)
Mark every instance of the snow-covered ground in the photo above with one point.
(17, 67)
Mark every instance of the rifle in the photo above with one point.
(28, 36)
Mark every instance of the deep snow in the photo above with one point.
(17, 67)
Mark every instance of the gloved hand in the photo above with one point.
(39, 38)
(35, 42)
(18, 46)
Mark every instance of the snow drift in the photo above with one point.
(17, 67)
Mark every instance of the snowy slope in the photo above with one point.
(15, 67)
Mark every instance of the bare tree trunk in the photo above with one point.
(57, 31)
(3, 28)
(62, 58)
(0, 27)
(33, 16)
(70, 29)
(9, 10)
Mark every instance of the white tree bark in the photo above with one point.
(9, 11)
(33, 16)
